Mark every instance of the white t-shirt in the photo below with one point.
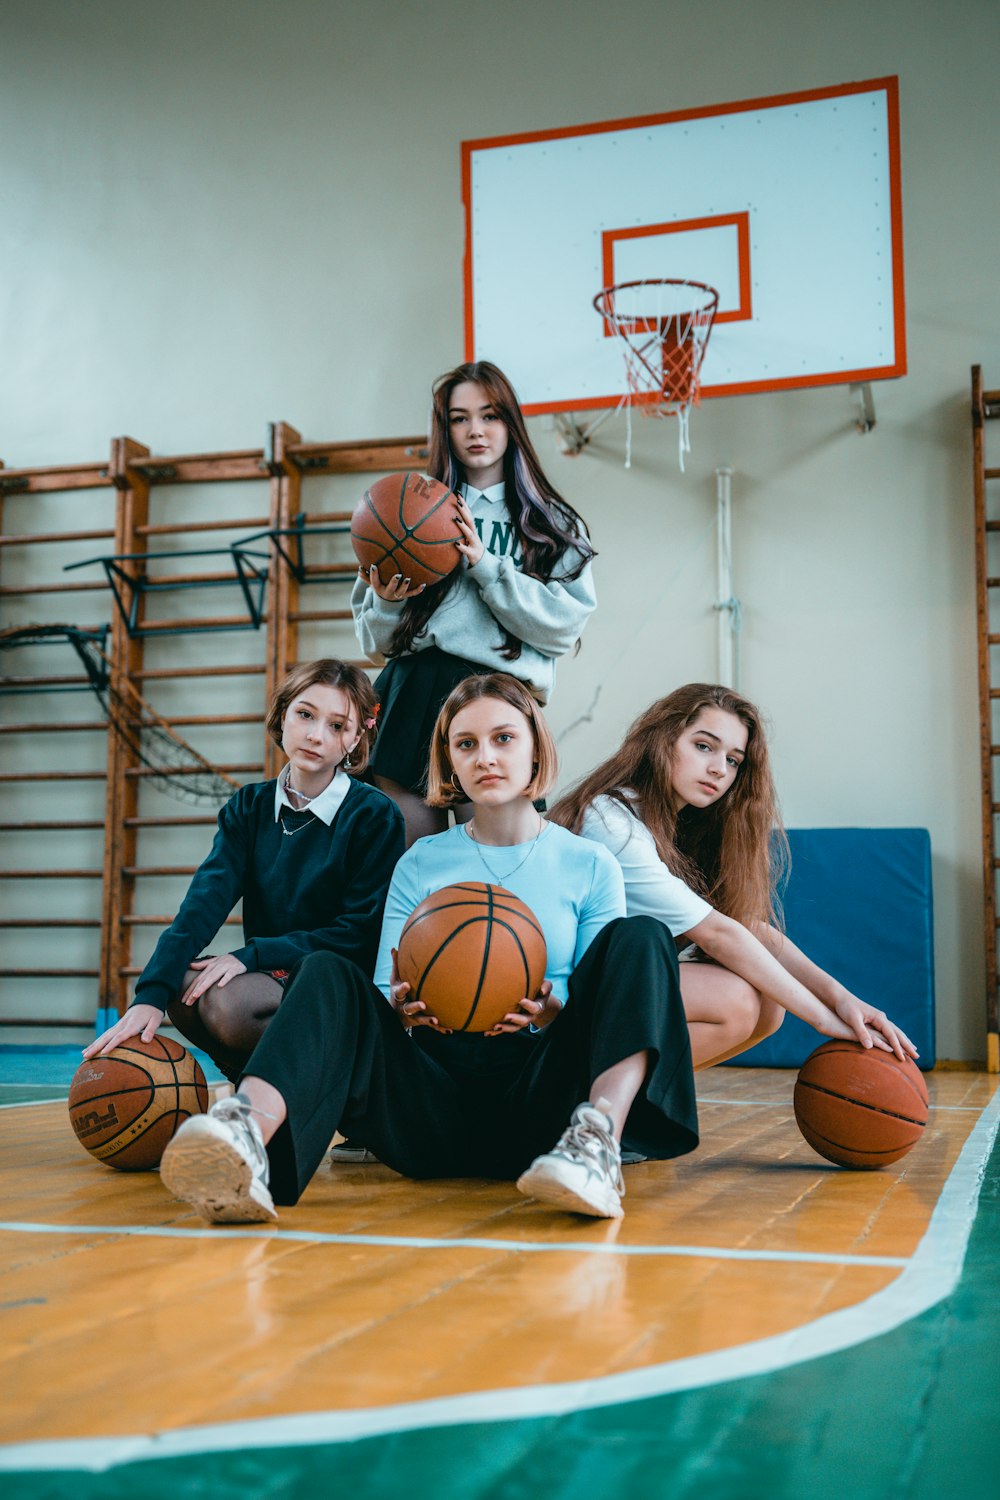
(650, 889)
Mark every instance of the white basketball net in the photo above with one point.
(664, 327)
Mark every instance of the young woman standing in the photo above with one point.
(518, 601)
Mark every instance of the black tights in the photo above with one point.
(228, 1023)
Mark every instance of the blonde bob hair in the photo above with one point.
(328, 672)
(441, 788)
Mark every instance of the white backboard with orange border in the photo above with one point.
(789, 206)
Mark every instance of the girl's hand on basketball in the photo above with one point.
(396, 591)
(537, 1012)
(470, 546)
(410, 1012)
(218, 970)
(138, 1020)
(872, 1027)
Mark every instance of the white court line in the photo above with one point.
(445, 1242)
(31, 1103)
(931, 1275)
(787, 1104)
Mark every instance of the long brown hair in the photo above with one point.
(545, 525)
(733, 853)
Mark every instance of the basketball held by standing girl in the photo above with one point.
(518, 601)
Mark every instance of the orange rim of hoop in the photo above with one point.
(663, 351)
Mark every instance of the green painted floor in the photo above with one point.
(909, 1416)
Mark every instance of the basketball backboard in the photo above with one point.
(789, 206)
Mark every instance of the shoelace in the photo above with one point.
(235, 1111)
(590, 1137)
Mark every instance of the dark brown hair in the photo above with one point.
(329, 672)
(732, 853)
(441, 791)
(546, 527)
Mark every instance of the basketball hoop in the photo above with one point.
(664, 324)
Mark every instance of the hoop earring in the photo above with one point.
(456, 785)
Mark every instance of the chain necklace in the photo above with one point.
(291, 832)
(493, 874)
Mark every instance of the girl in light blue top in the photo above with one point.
(603, 1043)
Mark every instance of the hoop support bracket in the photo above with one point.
(865, 403)
(575, 436)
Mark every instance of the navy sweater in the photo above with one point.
(323, 887)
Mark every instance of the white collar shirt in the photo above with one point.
(325, 806)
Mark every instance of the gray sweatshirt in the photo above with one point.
(489, 598)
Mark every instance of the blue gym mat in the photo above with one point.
(858, 902)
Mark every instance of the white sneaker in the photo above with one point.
(218, 1164)
(349, 1152)
(583, 1172)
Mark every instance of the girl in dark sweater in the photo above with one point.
(310, 855)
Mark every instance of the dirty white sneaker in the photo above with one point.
(582, 1173)
(218, 1164)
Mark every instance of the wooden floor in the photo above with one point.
(376, 1291)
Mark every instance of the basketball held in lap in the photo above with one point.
(471, 952)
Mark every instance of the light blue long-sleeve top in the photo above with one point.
(573, 885)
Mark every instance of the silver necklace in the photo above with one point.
(291, 832)
(500, 880)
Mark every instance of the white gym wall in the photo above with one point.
(216, 215)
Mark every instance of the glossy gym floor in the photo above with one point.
(458, 1321)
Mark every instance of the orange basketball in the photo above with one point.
(860, 1107)
(126, 1106)
(471, 952)
(405, 523)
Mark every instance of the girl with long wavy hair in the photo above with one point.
(688, 807)
(518, 600)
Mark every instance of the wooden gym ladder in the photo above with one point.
(985, 407)
(153, 555)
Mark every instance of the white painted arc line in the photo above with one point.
(444, 1242)
(930, 1276)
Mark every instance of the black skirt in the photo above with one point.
(411, 690)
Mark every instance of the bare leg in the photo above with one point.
(725, 1014)
(268, 1106)
(616, 1088)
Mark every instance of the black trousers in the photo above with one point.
(468, 1105)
